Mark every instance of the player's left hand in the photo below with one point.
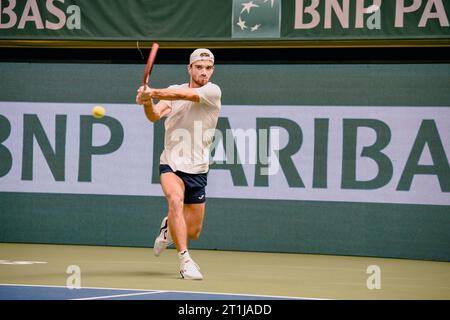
(144, 95)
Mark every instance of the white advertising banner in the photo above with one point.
(315, 153)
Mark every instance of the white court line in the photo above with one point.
(120, 295)
(20, 262)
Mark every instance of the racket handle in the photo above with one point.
(151, 59)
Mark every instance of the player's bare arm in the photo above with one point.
(156, 112)
(153, 112)
(170, 94)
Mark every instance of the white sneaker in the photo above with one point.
(189, 270)
(164, 239)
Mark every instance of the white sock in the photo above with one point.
(184, 255)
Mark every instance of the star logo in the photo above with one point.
(256, 19)
(241, 24)
(255, 27)
(248, 6)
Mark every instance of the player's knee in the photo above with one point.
(175, 202)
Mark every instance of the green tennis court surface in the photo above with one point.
(39, 271)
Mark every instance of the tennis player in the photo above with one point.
(191, 111)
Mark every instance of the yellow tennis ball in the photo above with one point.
(98, 112)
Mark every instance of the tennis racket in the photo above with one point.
(150, 61)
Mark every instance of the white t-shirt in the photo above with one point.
(190, 130)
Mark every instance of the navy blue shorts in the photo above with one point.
(194, 184)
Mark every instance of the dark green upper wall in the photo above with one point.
(273, 84)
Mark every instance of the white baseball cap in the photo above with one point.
(201, 54)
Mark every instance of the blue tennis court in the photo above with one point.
(34, 292)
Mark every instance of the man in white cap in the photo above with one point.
(190, 108)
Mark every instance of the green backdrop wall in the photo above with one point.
(405, 230)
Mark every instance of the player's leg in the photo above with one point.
(194, 204)
(194, 211)
(194, 215)
(173, 188)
